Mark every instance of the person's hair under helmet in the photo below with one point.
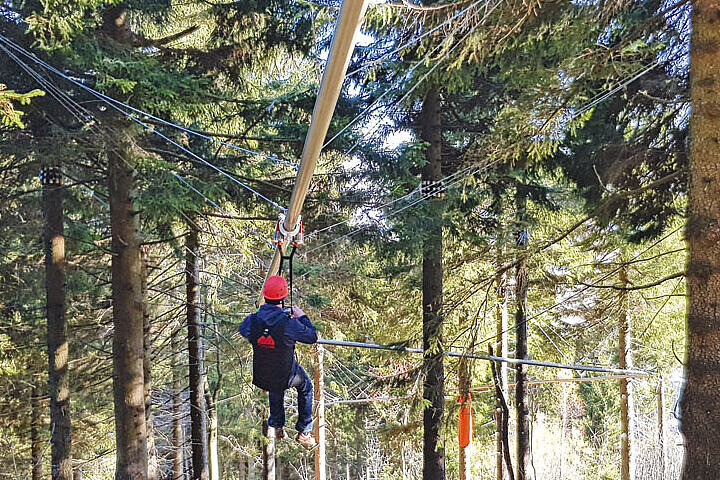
(275, 290)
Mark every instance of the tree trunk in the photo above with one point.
(36, 444)
(319, 381)
(501, 329)
(360, 441)
(196, 356)
(432, 272)
(268, 449)
(627, 464)
(661, 432)
(521, 332)
(58, 381)
(153, 472)
(128, 376)
(177, 431)
(700, 412)
(214, 464)
(464, 388)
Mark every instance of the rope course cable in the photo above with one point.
(80, 114)
(73, 106)
(492, 358)
(112, 101)
(588, 106)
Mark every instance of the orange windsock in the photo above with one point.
(465, 423)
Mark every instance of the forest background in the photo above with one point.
(526, 161)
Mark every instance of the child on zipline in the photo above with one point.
(273, 332)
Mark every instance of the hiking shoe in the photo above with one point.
(306, 440)
(280, 433)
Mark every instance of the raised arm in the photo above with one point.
(300, 328)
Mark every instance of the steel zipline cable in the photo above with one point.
(120, 107)
(114, 104)
(83, 114)
(112, 101)
(492, 358)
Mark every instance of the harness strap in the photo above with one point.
(289, 258)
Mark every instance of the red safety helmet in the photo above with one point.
(276, 288)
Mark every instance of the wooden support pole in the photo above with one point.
(36, 445)
(343, 44)
(627, 463)
(319, 381)
(268, 452)
(522, 407)
(661, 431)
(177, 430)
(502, 348)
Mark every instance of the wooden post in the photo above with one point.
(153, 467)
(177, 430)
(661, 431)
(501, 347)
(319, 381)
(36, 444)
(626, 400)
(268, 452)
(521, 331)
(214, 465)
(501, 330)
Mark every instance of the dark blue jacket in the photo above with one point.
(298, 329)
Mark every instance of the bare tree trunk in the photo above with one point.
(153, 470)
(319, 381)
(700, 413)
(214, 464)
(58, 379)
(360, 442)
(433, 388)
(212, 399)
(196, 354)
(627, 464)
(501, 329)
(36, 444)
(563, 429)
(521, 331)
(252, 475)
(177, 431)
(661, 431)
(128, 375)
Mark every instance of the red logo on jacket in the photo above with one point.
(266, 341)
